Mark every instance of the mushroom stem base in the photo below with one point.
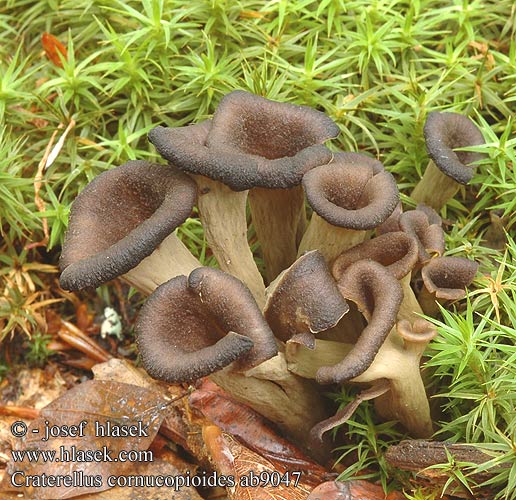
(293, 403)
(278, 216)
(223, 217)
(170, 259)
(406, 401)
(435, 188)
(330, 240)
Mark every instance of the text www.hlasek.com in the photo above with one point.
(73, 454)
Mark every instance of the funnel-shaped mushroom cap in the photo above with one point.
(191, 327)
(391, 224)
(432, 216)
(252, 142)
(447, 277)
(184, 147)
(353, 191)
(397, 251)
(305, 299)
(424, 225)
(236, 310)
(378, 296)
(420, 332)
(445, 132)
(120, 218)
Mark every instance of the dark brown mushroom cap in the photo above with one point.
(353, 191)
(397, 251)
(445, 132)
(426, 229)
(251, 142)
(432, 216)
(378, 295)
(305, 299)
(184, 147)
(120, 218)
(191, 327)
(236, 309)
(448, 277)
(391, 224)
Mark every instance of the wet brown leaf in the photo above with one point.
(255, 432)
(352, 490)
(254, 477)
(130, 415)
(121, 370)
(53, 47)
(174, 426)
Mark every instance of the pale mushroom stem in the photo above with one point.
(330, 240)
(293, 403)
(223, 216)
(429, 302)
(435, 188)
(407, 402)
(278, 217)
(396, 361)
(410, 308)
(399, 362)
(305, 362)
(170, 259)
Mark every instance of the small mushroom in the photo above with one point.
(445, 279)
(397, 251)
(448, 169)
(349, 196)
(304, 300)
(397, 363)
(122, 224)
(209, 324)
(378, 296)
(191, 327)
(424, 225)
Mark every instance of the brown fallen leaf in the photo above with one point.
(352, 490)
(53, 47)
(247, 475)
(121, 370)
(100, 429)
(174, 426)
(255, 432)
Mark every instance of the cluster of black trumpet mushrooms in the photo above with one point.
(345, 290)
